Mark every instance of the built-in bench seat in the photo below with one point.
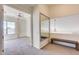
(66, 42)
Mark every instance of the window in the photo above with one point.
(9, 27)
(4, 27)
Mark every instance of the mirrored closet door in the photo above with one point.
(45, 30)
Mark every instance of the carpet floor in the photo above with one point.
(60, 50)
(21, 46)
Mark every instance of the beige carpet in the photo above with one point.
(60, 50)
(21, 46)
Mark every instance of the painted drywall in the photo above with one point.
(1, 29)
(60, 10)
(68, 24)
(25, 26)
(73, 37)
(67, 27)
(36, 33)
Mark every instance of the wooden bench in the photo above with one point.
(76, 43)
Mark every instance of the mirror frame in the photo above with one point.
(40, 24)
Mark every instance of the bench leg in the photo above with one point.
(52, 41)
(77, 46)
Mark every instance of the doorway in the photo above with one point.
(17, 29)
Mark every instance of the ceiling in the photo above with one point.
(22, 7)
(55, 10)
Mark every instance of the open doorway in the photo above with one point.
(17, 29)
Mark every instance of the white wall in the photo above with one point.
(25, 26)
(21, 27)
(66, 27)
(73, 37)
(1, 28)
(67, 24)
(29, 33)
(36, 33)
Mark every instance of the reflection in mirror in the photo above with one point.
(44, 28)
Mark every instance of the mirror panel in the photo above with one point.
(45, 29)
